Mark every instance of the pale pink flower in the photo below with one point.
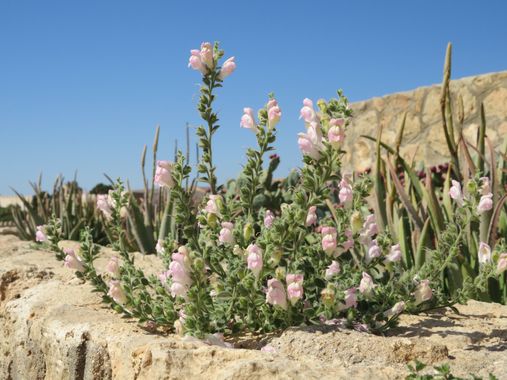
(345, 193)
(226, 236)
(160, 247)
(484, 253)
(329, 242)
(72, 261)
(104, 205)
(310, 143)
(307, 113)
(164, 276)
(227, 68)
(423, 292)
(332, 270)
(163, 176)
(373, 252)
(276, 294)
(116, 292)
(337, 122)
(248, 119)
(311, 217)
(501, 265)
(350, 298)
(113, 267)
(269, 217)
(398, 308)
(195, 62)
(254, 259)
(336, 136)
(179, 273)
(212, 206)
(40, 235)
(394, 255)
(206, 54)
(349, 243)
(370, 227)
(294, 287)
(366, 285)
(274, 113)
(486, 203)
(178, 290)
(455, 192)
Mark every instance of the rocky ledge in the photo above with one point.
(52, 326)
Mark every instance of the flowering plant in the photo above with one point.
(321, 257)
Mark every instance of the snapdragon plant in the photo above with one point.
(321, 257)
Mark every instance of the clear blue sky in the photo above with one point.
(84, 83)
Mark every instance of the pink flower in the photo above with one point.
(40, 235)
(294, 287)
(373, 252)
(164, 276)
(212, 206)
(332, 270)
(206, 55)
(196, 63)
(307, 113)
(163, 176)
(423, 292)
(398, 308)
(366, 285)
(113, 267)
(484, 253)
(226, 236)
(248, 120)
(254, 259)
(350, 298)
(269, 217)
(311, 217)
(310, 143)
(179, 273)
(455, 192)
(349, 243)
(274, 113)
(486, 203)
(501, 266)
(72, 261)
(178, 289)
(116, 292)
(104, 205)
(227, 68)
(160, 247)
(329, 239)
(276, 294)
(345, 193)
(335, 136)
(394, 255)
(337, 122)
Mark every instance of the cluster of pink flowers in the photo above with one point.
(205, 60)
(486, 200)
(311, 143)
(276, 294)
(179, 272)
(40, 234)
(274, 114)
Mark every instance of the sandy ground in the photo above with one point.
(53, 327)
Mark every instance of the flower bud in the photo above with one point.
(248, 231)
(356, 222)
(211, 220)
(327, 296)
(471, 187)
(280, 273)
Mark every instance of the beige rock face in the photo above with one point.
(53, 327)
(424, 125)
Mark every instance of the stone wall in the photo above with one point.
(424, 137)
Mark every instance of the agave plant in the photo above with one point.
(416, 207)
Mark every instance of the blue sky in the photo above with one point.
(84, 83)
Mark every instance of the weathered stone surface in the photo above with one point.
(53, 327)
(424, 124)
